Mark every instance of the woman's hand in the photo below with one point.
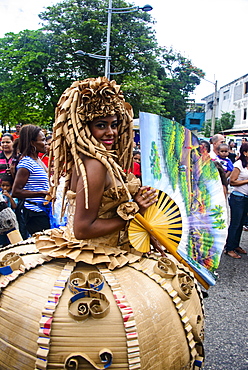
(145, 198)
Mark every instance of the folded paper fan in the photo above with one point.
(163, 218)
(172, 160)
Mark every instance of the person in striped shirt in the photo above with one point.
(31, 181)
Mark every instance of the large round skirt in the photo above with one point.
(146, 316)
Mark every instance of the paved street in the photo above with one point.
(226, 311)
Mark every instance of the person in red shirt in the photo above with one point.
(17, 133)
(136, 168)
(45, 157)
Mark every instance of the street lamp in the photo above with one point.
(111, 10)
(82, 53)
(107, 57)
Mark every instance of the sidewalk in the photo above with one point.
(226, 309)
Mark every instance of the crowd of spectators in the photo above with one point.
(24, 179)
(233, 170)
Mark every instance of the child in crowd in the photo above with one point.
(205, 148)
(8, 221)
(223, 159)
(136, 156)
(6, 183)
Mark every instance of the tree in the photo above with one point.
(37, 66)
(226, 122)
(82, 24)
(179, 78)
(25, 85)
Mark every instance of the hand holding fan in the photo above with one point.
(163, 221)
(163, 218)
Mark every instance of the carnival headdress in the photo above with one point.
(79, 105)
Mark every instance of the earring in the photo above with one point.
(34, 148)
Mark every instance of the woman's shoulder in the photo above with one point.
(26, 162)
(238, 164)
(94, 169)
(93, 164)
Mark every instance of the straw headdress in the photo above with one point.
(78, 105)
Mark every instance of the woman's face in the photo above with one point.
(136, 158)
(40, 143)
(104, 130)
(7, 144)
(48, 144)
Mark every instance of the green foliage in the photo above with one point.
(209, 171)
(217, 213)
(179, 79)
(37, 66)
(184, 190)
(206, 244)
(27, 80)
(144, 93)
(179, 140)
(204, 194)
(226, 122)
(155, 162)
(168, 128)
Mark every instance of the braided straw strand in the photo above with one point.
(80, 104)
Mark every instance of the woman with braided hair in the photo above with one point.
(92, 145)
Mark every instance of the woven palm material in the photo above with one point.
(78, 105)
(164, 218)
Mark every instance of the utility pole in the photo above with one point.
(214, 110)
(107, 61)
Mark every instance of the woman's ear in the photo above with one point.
(33, 146)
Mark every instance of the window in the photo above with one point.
(210, 104)
(246, 87)
(238, 91)
(194, 121)
(245, 114)
(226, 95)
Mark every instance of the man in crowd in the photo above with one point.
(216, 140)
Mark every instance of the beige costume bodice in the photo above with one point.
(114, 248)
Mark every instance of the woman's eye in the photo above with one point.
(100, 125)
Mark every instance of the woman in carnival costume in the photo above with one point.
(92, 145)
(150, 309)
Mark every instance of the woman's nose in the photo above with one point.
(109, 130)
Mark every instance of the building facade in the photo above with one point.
(231, 97)
(195, 117)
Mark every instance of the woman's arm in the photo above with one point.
(234, 176)
(21, 178)
(86, 223)
(228, 173)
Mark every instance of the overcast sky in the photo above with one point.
(213, 33)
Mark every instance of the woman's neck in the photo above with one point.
(34, 156)
(8, 154)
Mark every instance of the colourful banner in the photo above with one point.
(171, 162)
